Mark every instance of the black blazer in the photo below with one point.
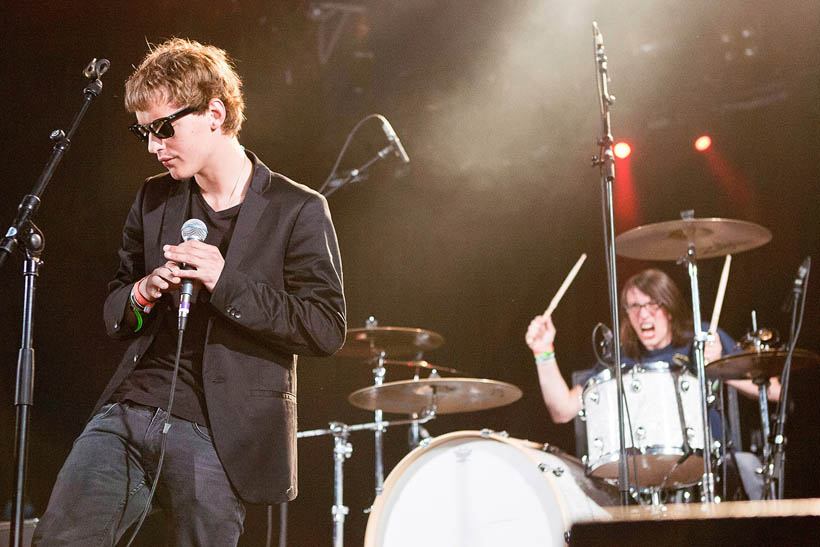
(280, 294)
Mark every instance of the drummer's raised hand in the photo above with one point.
(713, 349)
(540, 334)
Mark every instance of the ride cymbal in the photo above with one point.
(710, 237)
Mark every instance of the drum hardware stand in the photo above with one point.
(700, 362)
(763, 401)
(606, 161)
(378, 433)
(24, 232)
(416, 432)
(342, 450)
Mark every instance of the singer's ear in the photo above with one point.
(216, 112)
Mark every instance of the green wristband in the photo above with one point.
(139, 319)
(544, 357)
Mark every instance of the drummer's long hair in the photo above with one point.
(659, 287)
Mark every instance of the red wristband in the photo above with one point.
(141, 300)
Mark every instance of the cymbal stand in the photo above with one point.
(700, 362)
(342, 450)
(378, 432)
(416, 432)
(763, 401)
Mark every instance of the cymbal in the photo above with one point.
(710, 236)
(420, 364)
(364, 343)
(451, 395)
(762, 364)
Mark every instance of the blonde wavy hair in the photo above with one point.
(183, 73)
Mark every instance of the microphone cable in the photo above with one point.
(165, 428)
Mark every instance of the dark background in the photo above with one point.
(497, 106)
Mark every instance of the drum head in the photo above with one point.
(468, 488)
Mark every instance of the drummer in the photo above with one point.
(655, 326)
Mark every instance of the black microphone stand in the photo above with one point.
(355, 175)
(779, 457)
(606, 161)
(24, 232)
(334, 182)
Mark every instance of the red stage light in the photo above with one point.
(703, 143)
(622, 149)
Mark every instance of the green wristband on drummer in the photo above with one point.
(545, 357)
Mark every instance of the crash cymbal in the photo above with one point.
(364, 343)
(762, 364)
(449, 395)
(419, 364)
(710, 236)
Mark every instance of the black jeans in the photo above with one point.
(104, 484)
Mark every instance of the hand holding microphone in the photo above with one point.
(201, 261)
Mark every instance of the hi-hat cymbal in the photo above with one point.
(449, 395)
(393, 341)
(710, 237)
(759, 364)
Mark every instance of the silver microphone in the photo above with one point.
(192, 229)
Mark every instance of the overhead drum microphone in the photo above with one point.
(394, 140)
(193, 229)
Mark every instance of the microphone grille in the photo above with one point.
(194, 229)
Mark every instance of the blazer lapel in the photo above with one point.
(173, 215)
(249, 214)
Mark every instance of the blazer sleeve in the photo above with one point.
(131, 269)
(308, 316)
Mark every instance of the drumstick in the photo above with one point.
(724, 277)
(565, 285)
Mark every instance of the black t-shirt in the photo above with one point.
(150, 382)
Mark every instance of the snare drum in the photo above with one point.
(481, 489)
(662, 408)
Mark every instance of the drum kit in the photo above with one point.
(489, 488)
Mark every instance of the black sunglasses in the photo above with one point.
(161, 128)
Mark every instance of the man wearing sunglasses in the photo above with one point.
(270, 287)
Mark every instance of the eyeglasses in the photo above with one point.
(635, 309)
(161, 128)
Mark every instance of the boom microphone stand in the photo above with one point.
(24, 232)
(606, 161)
(778, 464)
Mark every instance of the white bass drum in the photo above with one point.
(482, 489)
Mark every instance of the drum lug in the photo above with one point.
(487, 432)
(557, 471)
(594, 397)
(636, 385)
(684, 385)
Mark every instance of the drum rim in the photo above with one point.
(607, 375)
